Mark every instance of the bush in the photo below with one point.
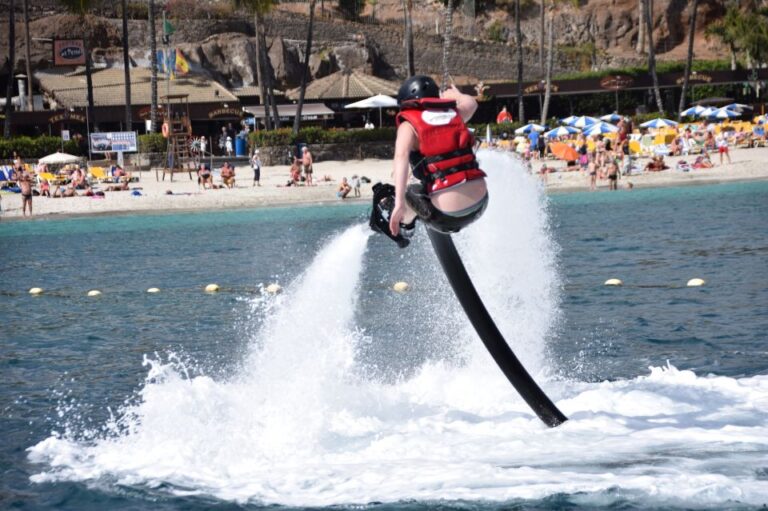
(37, 147)
(497, 32)
(152, 143)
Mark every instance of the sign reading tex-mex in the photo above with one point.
(68, 52)
(616, 82)
(66, 116)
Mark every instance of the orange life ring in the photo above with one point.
(166, 130)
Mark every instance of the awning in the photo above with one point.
(309, 111)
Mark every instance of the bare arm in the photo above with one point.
(465, 104)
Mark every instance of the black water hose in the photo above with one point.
(486, 328)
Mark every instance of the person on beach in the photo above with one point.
(306, 162)
(356, 185)
(25, 183)
(613, 176)
(45, 188)
(256, 166)
(344, 189)
(433, 138)
(721, 141)
(204, 176)
(503, 116)
(228, 175)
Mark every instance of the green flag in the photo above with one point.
(168, 28)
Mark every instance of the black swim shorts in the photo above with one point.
(439, 220)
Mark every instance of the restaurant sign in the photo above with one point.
(225, 113)
(68, 52)
(694, 77)
(616, 82)
(66, 116)
(540, 87)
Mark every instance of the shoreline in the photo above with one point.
(747, 165)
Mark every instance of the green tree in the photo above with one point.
(689, 58)
(153, 60)
(81, 8)
(305, 70)
(727, 29)
(127, 70)
(11, 61)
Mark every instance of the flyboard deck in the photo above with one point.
(489, 333)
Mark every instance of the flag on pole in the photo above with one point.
(182, 66)
(160, 61)
(170, 64)
(168, 28)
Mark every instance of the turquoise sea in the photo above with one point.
(339, 392)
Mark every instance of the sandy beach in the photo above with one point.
(747, 164)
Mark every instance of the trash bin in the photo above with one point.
(241, 146)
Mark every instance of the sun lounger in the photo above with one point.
(52, 179)
(99, 175)
(5, 177)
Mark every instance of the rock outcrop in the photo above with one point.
(225, 49)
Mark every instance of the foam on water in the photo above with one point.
(301, 424)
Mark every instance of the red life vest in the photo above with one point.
(445, 156)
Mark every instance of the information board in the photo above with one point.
(115, 141)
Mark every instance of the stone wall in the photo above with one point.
(278, 155)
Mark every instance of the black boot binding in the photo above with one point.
(383, 203)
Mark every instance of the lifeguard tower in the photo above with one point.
(177, 128)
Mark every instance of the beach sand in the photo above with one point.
(748, 164)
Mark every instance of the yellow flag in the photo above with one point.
(182, 66)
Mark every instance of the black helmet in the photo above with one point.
(417, 87)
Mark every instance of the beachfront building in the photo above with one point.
(211, 105)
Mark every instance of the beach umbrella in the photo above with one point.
(563, 151)
(488, 137)
(600, 128)
(614, 117)
(59, 158)
(659, 123)
(569, 119)
(707, 112)
(378, 101)
(738, 107)
(529, 127)
(561, 131)
(693, 111)
(583, 121)
(724, 113)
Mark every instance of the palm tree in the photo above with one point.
(519, 53)
(80, 8)
(447, 33)
(30, 102)
(268, 78)
(305, 71)
(550, 60)
(11, 61)
(541, 36)
(259, 8)
(689, 59)
(640, 48)
(127, 71)
(407, 7)
(153, 59)
(652, 56)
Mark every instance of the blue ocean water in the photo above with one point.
(70, 363)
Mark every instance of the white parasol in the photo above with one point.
(378, 101)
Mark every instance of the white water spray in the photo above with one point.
(298, 426)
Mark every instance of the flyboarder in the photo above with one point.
(451, 194)
(433, 139)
